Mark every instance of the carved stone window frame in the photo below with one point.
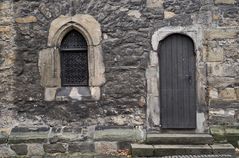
(49, 59)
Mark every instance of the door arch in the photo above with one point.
(177, 62)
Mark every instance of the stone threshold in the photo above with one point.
(144, 150)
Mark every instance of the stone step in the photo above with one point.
(144, 150)
(193, 139)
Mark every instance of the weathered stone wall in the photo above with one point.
(127, 28)
(68, 142)
(223, 64)
(123, 94)
(7, 63)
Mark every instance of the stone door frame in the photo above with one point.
(153, 78)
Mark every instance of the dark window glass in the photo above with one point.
(74, 60)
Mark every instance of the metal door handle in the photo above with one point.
(189, 77)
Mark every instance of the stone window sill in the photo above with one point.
(72, 94)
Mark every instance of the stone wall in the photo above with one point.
(127, 28)
(67, 141)
(7, 63)
(223, 64)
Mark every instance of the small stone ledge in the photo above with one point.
(223, 134)
(3, 138)
(29, 135)
(55, 148)
(169, 150)
(82, 147)
(225, 2)
(130, 135)
(68, 141)
(20, 149)
(53, 135)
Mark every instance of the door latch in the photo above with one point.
(189, 77)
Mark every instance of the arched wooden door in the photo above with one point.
(177, 82)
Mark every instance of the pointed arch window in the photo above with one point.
(74, 60)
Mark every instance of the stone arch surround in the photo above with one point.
(49, 58)
(153, 78)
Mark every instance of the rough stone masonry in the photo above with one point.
(39, 119)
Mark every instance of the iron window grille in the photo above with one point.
(74, 60)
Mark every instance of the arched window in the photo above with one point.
(74, 60)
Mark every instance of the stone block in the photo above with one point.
(139, 150)
(223, 149)
(106, 148)
(237, 92)
(153, 59)
(65, 137)
(5, 151)
(232, 131)
(193, 139)
(215, 55)
(20, 149)
(215, 69)
(5, 29)
(95, 93)
(168, 15)
(221, 34)
(5, 5)
(168, 150)
(28, 135)
(84, 147)
(55, 148)
(153, 88)
(49, 69)
(228, 94)
(213, 93)
(153, 110)
(154, 3)
(26, 19)
(134, 135)
(35, 150)
(50, 94)
(225, 1)
(218, 133)
(142, 101)
(232, 135)
(30, 129)
(119, 120)
(3, 138)
(5, 20)
(134, 13)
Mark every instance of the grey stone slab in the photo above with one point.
(223, 149)
(106, 147)
(28, 137)
(83, 147)
(54, 148)
(6, 151)
(20, 149)
(64, 91)
(3, 138)
(169, 150)
(30, 129)
(142, 150)
(192, 139)
(84, 91)
(133, 135)
(199, 156)
(35, 150)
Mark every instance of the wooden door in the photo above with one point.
(177, 82)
